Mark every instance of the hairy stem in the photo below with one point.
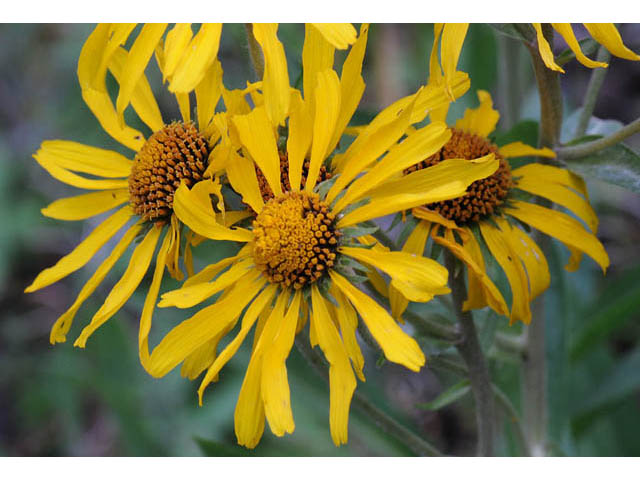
(591, 96)
(255, 51)
(577, 151)
(388, 424)
(471, 352)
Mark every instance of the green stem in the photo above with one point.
(577, 151)
(255, 51)
(511, 412)
(432, 327)
(591, 96)
(471, 352)
(388, 424)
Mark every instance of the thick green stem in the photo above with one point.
(398, 431)
(588, 148)
(591, 96)
(255, 51)
(471, 352)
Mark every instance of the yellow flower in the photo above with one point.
(175, 152)
(492, 209)
(304, 247)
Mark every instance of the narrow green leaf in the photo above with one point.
(211, 448)
(520, 31)
(450, 395)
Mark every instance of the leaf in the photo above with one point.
(618, 165)
(359, 230)
(595, 126)
(520, 31)
(525, 131)
(450, 395)
(211, 448)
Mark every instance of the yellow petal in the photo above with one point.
(255, 309)
(137, 60)
(342, 381)
(85, 206)
(189, 296)
(74, 180)
(83, 252)
(241, 173)
(482, 120)
(566, 31)
(299, 141)
(184, 105)
(83, 158)
(607, 34)
(197, 58)
(209, 272)
(561, 226)
(208, 93)
(63, 324)
(416, 147)
(258, 138)
(317, 56)
(545, 50)
(275, 384)
(397, 346)
(348, 322)
(340, 35)
(446, 180)
(452, 39)
(519, 149)
(175, 46)
(197, 218)
(190, 334)
(500, 247)
(275, 84)
(327, 94)
(201, 359)
(124, 288)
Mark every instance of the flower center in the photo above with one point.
(484, 196)
(265, 189)
(295, 239)
(177, 152)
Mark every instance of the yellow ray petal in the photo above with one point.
(63, 324)
(65, 176)
(413, 246)
(197, 58)
(201, 359)
(413, 149)
(189, 296)
(85, 206)
(453, 36)
(500, 247)
(482, 120)
(397, 346)
(348, 322)
(446, 180)
(241, 173)
(255, 309)
(190, 334)
(257, 136)
(566, 31)
(340, 35)
(545, 50)
(561, 226)
(519, 149)
(317, 56)
(607, 34)
(209, 272)
(83, 252)
(83, 158)
(198, 219)
(275, 384)
(299, 141)
(417, 277)
(124, 288)
(184, 104)
(208, 93)
(342, 381)
(549, 173)
(327, 95)
(175, 46)
(275, 84)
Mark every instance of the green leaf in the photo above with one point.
(211, 448)
(359, 230)
(450, 395)
(525, 131)
(595, 126)
(520, 31)
(618, 165)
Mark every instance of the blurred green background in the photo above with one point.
(99, 401)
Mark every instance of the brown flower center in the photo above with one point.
(295, 239)
(483, 196)
(175, 153)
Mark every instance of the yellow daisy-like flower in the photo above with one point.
(304, 248)
(175, 153)
(492, 208)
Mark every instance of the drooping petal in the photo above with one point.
(340, 35)
(208, 93)
(519, 149)
(241, 173)
(299, 141)
(565, 30)
(275, 84)
(482, 120)
(561, 226)
(397, 346)
(81, 158)
(63, 324)
(342, 381)
(80, 255)
(175, 46)
(453, 36)
(86, 205)
(317, 56)
(198, 219)
(607, 34)
(258, 138)
(545, 50)
(327, 94)
(124, 288)
(197, 58)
